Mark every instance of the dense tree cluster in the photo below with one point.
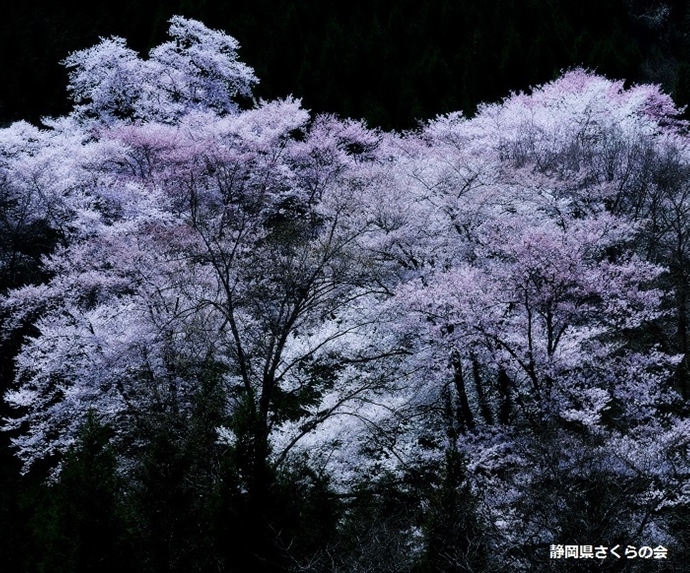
(253, 339)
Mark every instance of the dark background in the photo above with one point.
(389, 62)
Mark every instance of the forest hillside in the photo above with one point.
(238, 335)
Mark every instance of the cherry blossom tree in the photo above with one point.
(236, 294)
(213, 293)
(198, 69)
(527, 302)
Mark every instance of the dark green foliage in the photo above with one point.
(16, 508)
(79, 524)
(269, 518)
(174, 496)
(380, 531)
(170, 503)
(304, 518)
(423, 521)
(455, 538)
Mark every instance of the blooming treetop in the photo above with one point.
(197, 70)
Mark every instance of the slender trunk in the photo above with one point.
(506, 405)
(484, 408)
(683, 373)
(261, 515)
(464, 411)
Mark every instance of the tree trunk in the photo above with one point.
(464, 411)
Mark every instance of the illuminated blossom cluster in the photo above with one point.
(500, 288)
